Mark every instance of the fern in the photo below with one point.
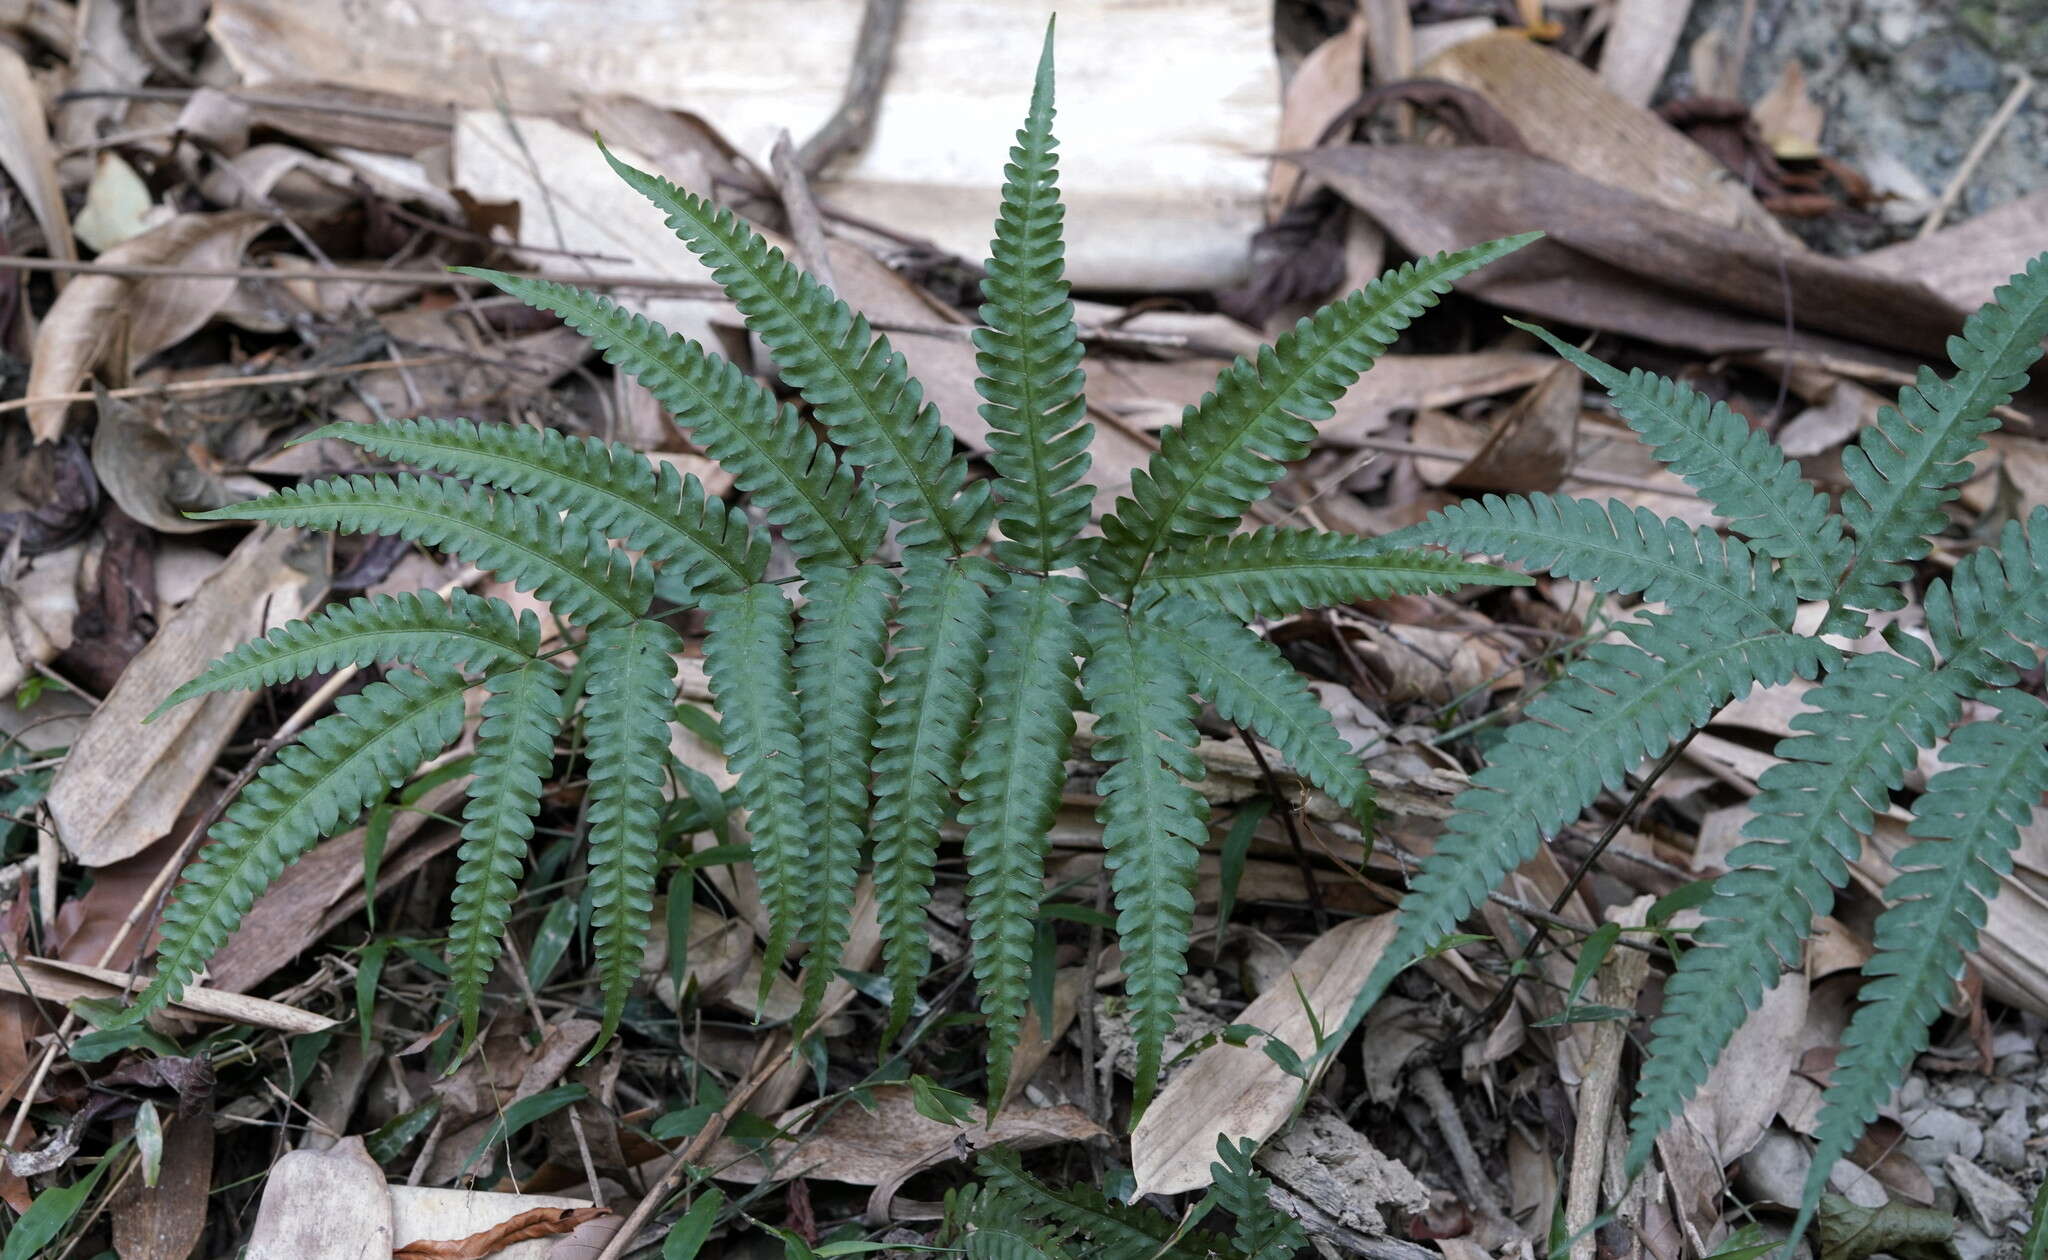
(1010, 790)
(1738, 469)
(570, 567)
(855, 382)
(1152, 822)
(1969, 821)
(1906, 465)
(1264, 1232)
(514, 751)
(1251, 684)
(838, 677)
(339, 766)
(798, 481)
(847, 755)
(1229, 448)
(747, 650)
(604, 486)
(1620, 549)
(1030, 357)
(630, 696)
(1278, 572)
(920, 741)
(412, 628)
(1618, 704)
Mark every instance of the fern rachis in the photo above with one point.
(859, 700)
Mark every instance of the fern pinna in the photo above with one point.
(1728, 625)
(870, 703)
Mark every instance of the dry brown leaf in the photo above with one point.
(1534, 442)
(1236, 1092)
(1787, 116)
(26, 155)
(102, 322)
(330, 1204)
(1966, 262)
(165, 1223)
(125, 783)
(39, 609)
(427, 1212)
(1586, 127)
(1735, 1106)
(153, 477)
(1609, 253)
(1641, 36)
(860, 1148)
(480, 1090)
(1326, 82)
(541, 1222)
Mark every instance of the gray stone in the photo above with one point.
(1958, 1095)
(1855, 1185)
(1991, 1202)
(1934, 1133)
(1774, 1170)
(2005, 1142)
(1913, 1093)
(1973, 1243)
(2000, 1095)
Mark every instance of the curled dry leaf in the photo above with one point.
(112, 323)
(153, 476)
(1237, 1092)
(863, 1148)
(26, 155)
(540, 1222)
(1325, 83)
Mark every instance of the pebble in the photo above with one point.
(1913, 1093)
(1856, 1185)
(1973, 1243)
(1774, 1170)
(2000, 1095)
(1935, 1132)
(2005, 1143)
(1958, 1096)
(1991, 1202)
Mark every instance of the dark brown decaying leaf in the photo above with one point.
(543, 1222)
(166, 1222)
(1607, 256)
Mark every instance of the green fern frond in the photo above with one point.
(515, 747)
(1010, 793)
(1815, 808)
(1153, 823)
(605, 486)
(1116, 1229)
(1620, 549)
(1264, 1232)
(1615, 706)
(935, 670)
(1229, 449)
(338, 767)
(1252, 685)
(824, 513)
(1986, 617)
(414, 628)
(1029, 356)
(856, 383)
(839, 641)
(630, 696)
(1276, 572)
(1736, 468)
(747, 643)
(571, 567)
(1969, 821)
(1906, 465)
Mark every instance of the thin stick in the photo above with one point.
(145, 905)
(1985, 139)
(1478, 1190)
(767, 1062)
(351, 275)
(849, 127)
(1620, 980)
(1286, 810)
(222, 384)
(804, 223)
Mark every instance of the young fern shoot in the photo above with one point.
(868, 702)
